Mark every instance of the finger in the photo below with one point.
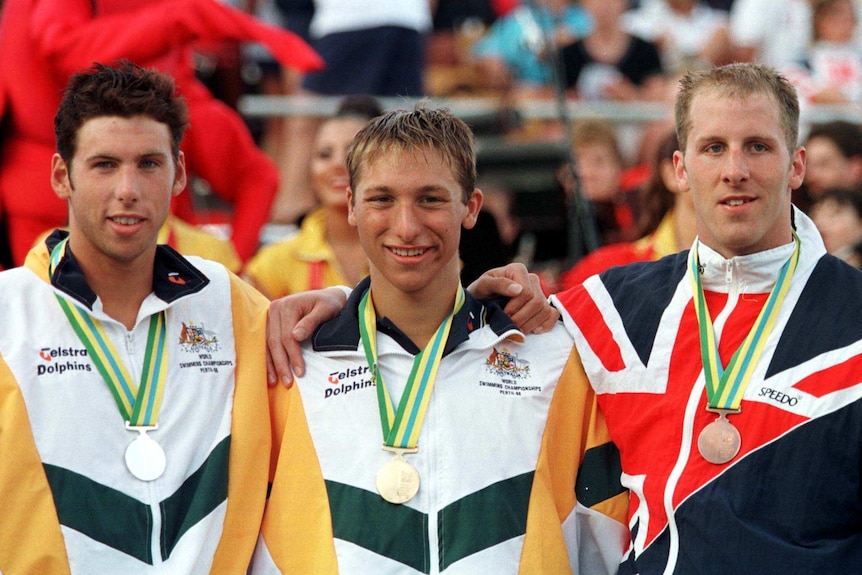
(296, 366)
(552, 316)
(525, 313)
(490, 287)
(271, 374)
(278, 360)
(526, 302)
(271, 345)
(530, 310)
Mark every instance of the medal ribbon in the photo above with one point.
(139, 405)
(725, 387)
(401, 428)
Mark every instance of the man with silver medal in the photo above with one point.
(140, 460)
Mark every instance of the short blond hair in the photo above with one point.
(421, 128)
(739, 80)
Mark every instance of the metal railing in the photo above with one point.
(257, 106)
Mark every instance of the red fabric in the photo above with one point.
(42, 42)
(503, 7)
(635, 178)
(603, 258)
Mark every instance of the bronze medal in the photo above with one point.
(719, 441)
(397, 481)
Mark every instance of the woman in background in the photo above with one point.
(326, 250)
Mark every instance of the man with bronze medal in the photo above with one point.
(428, 433)
(132, 387)
(730, 374)
(725, 374)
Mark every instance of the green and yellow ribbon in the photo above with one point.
(138, 404)
(725, 387)
(401, 428)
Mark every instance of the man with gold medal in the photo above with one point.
(428, 434)
(133, 435)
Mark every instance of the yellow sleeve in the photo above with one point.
(297, 525)
(577, 516)
(250, 432)
(31, 542)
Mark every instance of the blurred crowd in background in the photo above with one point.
(567, 194)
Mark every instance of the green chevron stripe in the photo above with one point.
(102, 513)
(599, 475)
(483, 519)
(196, 498)
(365, 519)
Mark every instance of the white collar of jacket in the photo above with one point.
(342, 332)
(173, 275)
(759, 271)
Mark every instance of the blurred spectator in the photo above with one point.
(666, 222)
(599, 166)
(499, 200)
(450, 69)
(832, 72)
(834, 160)
(610, 63)
(518, 50)
(43, 41)
(260, 72)
(449, 15)
(297, 15)
(837, 213)
(688, 33)
(772, 32)
(373, 48)
(326, 251)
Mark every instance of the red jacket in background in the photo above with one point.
(42, 42)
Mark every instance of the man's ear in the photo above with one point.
(679, 171)
(61, 177)
(474, 204)
(351, 217)
(181, 177)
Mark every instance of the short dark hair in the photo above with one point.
(125, 90)
(847, 136)
(843, 197)
(359, 106)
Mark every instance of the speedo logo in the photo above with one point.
(778, 397)
(58, 360)
(343, 382)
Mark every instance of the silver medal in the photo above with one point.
(145, 458)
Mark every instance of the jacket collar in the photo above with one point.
(173, 275)
(342, 332)
(759, 271)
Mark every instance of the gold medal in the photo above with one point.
(397, 481)
(719, 441)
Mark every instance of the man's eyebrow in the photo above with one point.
(113, 156)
